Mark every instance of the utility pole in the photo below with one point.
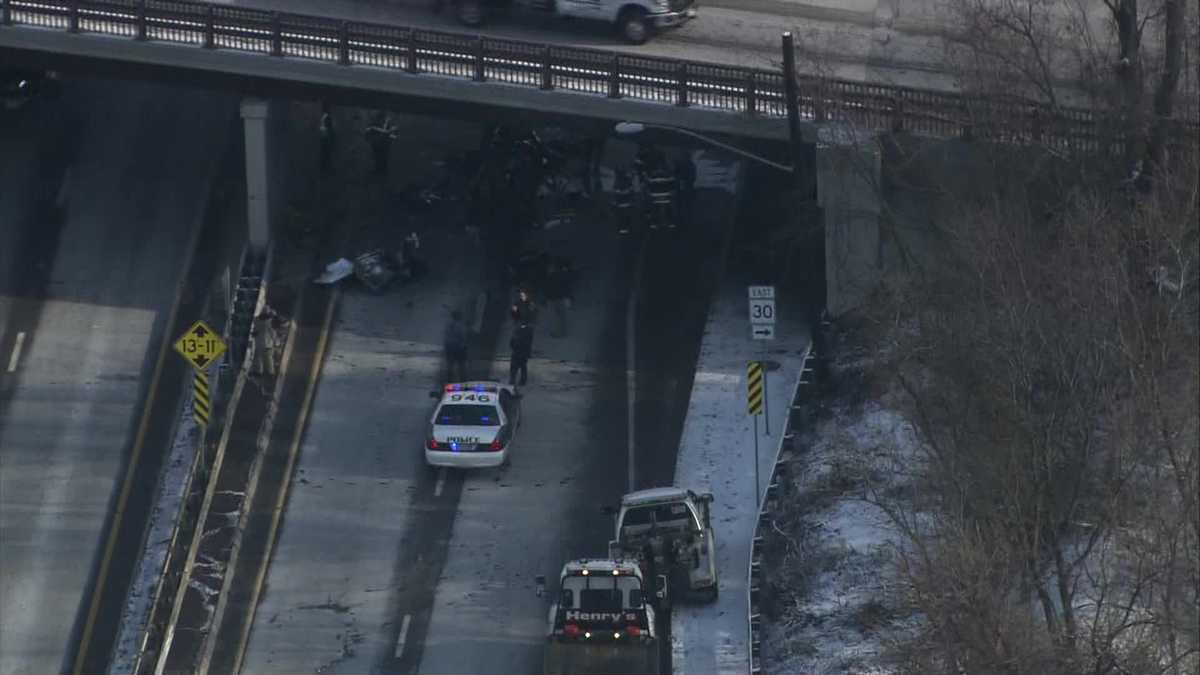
(793, 105)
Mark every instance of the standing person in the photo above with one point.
(327, 139)
(522, 348)
(455, 343)
(524, 311)
(558, 294)
(266, 342)
(685, 183)
(661, 197)
(624, 201)
(380, 134)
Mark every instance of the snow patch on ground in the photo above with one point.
(829, 566)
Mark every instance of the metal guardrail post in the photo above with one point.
(344, 43)
(411, 66)
(897, 115)
(5, 13)
(73, 16)
(210, 28)
(681, 82)
(751, 95)
(276, 34)
(479, 76)
(141, 21)
(614, 77)
(547, 70)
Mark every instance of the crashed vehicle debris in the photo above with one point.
(669, 531)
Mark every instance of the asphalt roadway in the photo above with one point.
(385, 565)
(101, 192)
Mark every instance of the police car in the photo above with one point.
(473, 425)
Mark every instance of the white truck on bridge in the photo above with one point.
(635, 20)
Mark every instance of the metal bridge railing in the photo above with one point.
(737, 90)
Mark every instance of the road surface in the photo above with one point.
(83, 299)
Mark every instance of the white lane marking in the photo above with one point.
(63, 189)
(16, 354)
(403, 635)
(441, 483)
(631, 365)
(480, 305)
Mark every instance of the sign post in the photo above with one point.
(755, 404)
(762, 325)
(201, 346)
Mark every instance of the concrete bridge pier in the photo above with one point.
(264, 173)
(849, 194)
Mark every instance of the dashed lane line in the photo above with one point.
(403, 634)
(441, 485)
(16, 352)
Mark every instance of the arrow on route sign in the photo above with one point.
(200, 345)
(762, 331)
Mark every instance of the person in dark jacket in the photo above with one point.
(380, 134)
(524, 311)
(624, 201)
(522, 348)
(455, 342)
(559, 279)
(685, 183)
(328, 136)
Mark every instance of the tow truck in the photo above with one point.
(602, 621)
(635, 20)
(669, 531)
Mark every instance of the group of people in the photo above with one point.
(655, 191)
(379, 133)
(557, 291)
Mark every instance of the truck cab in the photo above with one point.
(602, 620)
(670, 531)
(636, 21)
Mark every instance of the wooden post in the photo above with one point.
(751, 94)
(276, 34)
(344, 43)
(141, 20)
(210, 27)
(790, 90)
(681, 80)
(547, 72)
(614, 77)
(480, 75)
(412, 51)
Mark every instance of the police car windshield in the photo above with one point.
(468, 415)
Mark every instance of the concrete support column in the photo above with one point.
(261, 184)
(849, 194)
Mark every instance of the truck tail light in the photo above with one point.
(633, 631)
(571, 630)
(432, 444)
(496, 445)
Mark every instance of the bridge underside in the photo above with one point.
(365, 86)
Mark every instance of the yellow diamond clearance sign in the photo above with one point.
(200, 345)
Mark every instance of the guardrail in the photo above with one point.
(732, 89)
(769, 501)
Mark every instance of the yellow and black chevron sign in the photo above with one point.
(754, 388)
(200, 398)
